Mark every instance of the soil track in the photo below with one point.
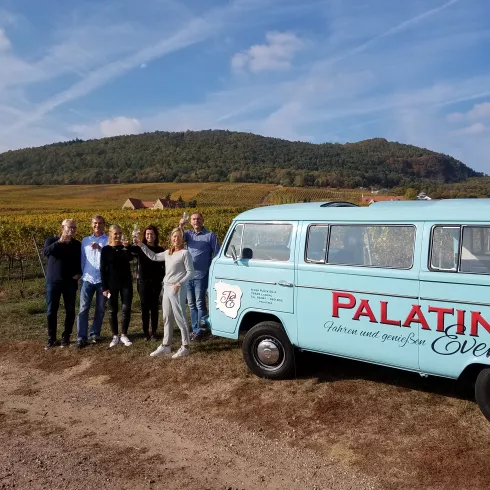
(66, 424)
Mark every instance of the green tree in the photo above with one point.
(411, 194)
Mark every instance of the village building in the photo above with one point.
(133, 203)
(161, 203)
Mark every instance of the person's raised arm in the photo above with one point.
(157, 257)
(52, 247)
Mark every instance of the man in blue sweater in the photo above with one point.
(91, 283)
(62, 274)
(203, 245)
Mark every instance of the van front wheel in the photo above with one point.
(268, 352)
(482, 391)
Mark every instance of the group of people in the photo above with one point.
(103, 261)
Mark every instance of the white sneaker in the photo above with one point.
(125, 341)
(114, 341)
(161, 350)
(182, 352)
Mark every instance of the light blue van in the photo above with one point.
(403, 284)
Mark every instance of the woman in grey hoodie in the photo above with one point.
(178, 270)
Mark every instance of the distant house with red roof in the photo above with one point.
(168, 203)
(133, 203)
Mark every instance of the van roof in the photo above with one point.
(444, 211)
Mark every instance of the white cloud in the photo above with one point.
(281, 123)
(455, 117)
(476, 128)
(276, 54)
(119, 125)
(192, 32)
(5, 44)
(7, 17)
(479, 112)
(109, 127)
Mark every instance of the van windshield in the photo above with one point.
(262, 241)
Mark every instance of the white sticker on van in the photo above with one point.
(228, 298)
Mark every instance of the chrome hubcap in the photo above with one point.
(268, 352)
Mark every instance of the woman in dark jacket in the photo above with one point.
(150, 276)
(117, 281)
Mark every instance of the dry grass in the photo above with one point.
(89, 197)
(235, 194)
(298, 194)
(406, 431)
(111, 197)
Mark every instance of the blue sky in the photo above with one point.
(413, 71)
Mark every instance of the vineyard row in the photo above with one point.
(16, 231)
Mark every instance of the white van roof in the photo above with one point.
(441, 211)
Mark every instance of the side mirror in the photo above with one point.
(247, 253)
(234, 255)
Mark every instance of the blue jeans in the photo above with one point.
(86, 295)
(196, 299)
(54, 291)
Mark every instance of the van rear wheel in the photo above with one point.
(268, 352)
(482, 391)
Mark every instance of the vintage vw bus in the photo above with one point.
(403, 284)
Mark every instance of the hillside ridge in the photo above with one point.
(228, 156)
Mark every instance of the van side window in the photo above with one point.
(236, 240)
(475, 252)
(445, 248)
(316, 246)
(474, 256)
(267, 241)
(385, 246)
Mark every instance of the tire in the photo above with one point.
(482, 392)
(268, 352)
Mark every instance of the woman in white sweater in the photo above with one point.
(178, 270)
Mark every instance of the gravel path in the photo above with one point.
(70, 430)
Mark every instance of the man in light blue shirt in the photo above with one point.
(91, 283)
(203, 246)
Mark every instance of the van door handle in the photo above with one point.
(285, 284)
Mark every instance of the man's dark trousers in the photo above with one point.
(54, 291)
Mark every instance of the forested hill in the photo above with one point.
(220, 156)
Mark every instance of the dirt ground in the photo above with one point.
(119, 419)
(64, 425)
